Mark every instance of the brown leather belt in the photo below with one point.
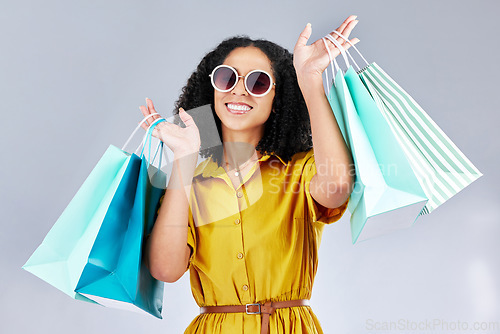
(265, 309)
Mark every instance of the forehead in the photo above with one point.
(246, 59)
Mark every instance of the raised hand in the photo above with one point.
(182, 141)
(312, 60)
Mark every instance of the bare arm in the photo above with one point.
(334, 180)
(166, 250)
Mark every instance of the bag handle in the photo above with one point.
(146, 138)
(137, 129)
(354, 46)
(333, 39)
(332, 59)
(339, 46)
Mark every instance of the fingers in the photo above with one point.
(346, 22)
(152, 110)
(185, 117)
(353, 42)
(146, 111)
(304, 36)
(345, 28)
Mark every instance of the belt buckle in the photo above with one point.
(246, 309)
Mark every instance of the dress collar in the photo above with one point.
(209, 168)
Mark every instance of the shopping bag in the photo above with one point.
(442, 169)
(384, 179)
(115, 274)
(64, 252)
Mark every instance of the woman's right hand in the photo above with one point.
(182, 141)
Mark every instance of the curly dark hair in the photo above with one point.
(287, 130)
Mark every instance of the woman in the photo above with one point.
(252, 226)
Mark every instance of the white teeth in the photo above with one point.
(238, 107)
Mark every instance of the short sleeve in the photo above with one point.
(318, 212)
(191, 238)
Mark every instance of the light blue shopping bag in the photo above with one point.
(106, 199)
(115, 274)
(63, 253)
(401, 187)
(441, 168)
(385, 181)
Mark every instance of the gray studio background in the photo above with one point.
(73, 74)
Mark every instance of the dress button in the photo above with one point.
(239, 194)
(245, 287)
(237, 221)
(240, 255)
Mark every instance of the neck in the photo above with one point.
(239, 146)
(237, 154)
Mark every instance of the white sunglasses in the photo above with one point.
(257, 82)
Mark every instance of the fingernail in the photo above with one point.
(308, 24)
(147, 99)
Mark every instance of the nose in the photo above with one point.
(240, 89)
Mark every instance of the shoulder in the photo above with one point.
(299, 165)
(302, 159)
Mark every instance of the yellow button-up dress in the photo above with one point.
(256, 243)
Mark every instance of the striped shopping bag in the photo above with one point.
(441, 168)
(387, 195)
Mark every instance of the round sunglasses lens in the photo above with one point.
(258, 82)
(224, 78)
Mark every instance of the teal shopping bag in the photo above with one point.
(107, 197)
(441, 168)
(115, 274)
(384, 181)
(63, 253)
(402, 188)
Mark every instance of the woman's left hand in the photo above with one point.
(311, 60)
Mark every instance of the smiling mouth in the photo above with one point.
(238, 108)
